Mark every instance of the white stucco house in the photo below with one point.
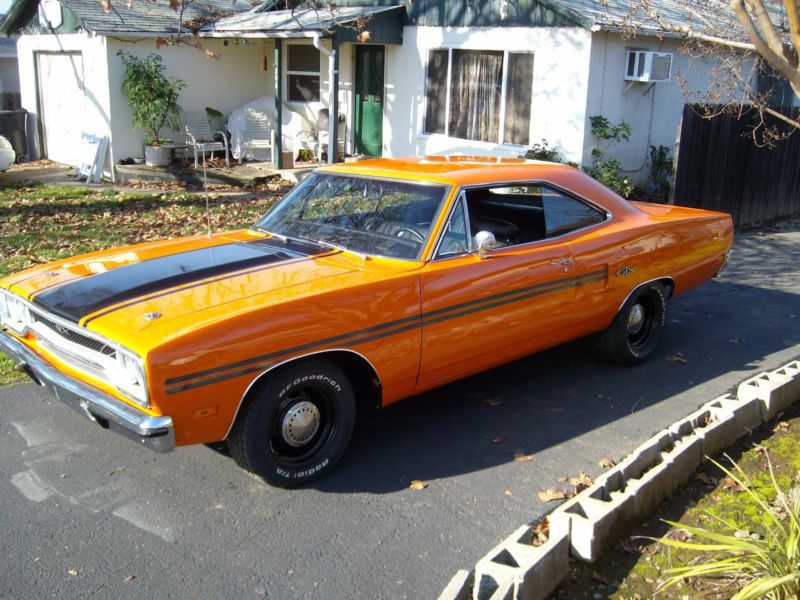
(428, 77)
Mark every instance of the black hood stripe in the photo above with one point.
(260, 363)
(88, 295)
(201, 283)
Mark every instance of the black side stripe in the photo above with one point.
(383, 326)
(91, 318)
(262, 362)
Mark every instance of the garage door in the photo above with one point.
(61, 104)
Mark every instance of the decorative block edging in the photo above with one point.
(596, 517)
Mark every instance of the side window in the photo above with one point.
(455, 239)
(563, 213)
(524, 213)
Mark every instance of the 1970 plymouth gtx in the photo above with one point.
(369, 282)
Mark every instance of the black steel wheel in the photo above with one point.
(636, 331)
(295, 425)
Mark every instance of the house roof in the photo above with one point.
(133, 16)
(308, 22)
(676, 15)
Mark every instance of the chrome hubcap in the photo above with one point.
(636, 319)
(300, 423)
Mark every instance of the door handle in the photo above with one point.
(561, 261)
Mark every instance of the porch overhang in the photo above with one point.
(354, 24)
(384, 24)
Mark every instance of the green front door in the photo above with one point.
(368, 120)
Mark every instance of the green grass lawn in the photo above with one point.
(39, 224)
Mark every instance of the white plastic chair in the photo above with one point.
(258, 133)
(201, 138)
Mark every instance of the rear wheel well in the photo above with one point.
(669, 285)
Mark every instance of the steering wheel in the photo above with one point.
(372, 223)
(407, 230)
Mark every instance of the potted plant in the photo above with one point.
(153, 102)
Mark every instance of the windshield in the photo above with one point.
(365, 215)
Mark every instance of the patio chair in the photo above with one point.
(200, 137)
(319, 136)
(258, 133)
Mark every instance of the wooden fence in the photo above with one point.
(719, 167)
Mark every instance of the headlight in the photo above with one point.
(14, 314)
(127, 374)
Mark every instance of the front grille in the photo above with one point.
(74, 336)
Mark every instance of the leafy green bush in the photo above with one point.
(767, 563)
(152, 96)
(608, 171)
(543, 151)
(661, 171)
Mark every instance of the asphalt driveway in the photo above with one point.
(88, 514)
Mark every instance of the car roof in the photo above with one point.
(457, 170)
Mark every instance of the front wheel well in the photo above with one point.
(361, 374)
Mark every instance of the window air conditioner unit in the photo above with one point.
(648, 67)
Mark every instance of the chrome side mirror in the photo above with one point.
(485, 243)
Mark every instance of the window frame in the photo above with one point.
(503, 94)
(289, 72)
(461, 196)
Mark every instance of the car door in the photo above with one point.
(480, 312)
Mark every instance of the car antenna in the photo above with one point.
(205, 190)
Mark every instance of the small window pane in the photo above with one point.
(455, 239)
(303, 58)
(563, 214)
(518, 99)
(436, 91)
(475, 87)
(303, 88)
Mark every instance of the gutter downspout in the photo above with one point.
(333, 105)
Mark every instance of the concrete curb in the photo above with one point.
(594, 519)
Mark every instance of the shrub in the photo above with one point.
(152, 96)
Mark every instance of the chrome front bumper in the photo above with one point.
(154, 432)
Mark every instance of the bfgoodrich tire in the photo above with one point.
(296, 424)
(636, 331)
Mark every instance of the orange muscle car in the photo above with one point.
(369, 282)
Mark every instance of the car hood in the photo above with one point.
(117, 293)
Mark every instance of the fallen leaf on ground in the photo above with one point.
(418, 484)
(72, 572)
(541, 532)
(552, 494)
(582, 481)
(630, 546)
(129, 578)
(707, 479)
(520, 457)
(498, 439)
(508, 492)
(680, 535)
(729, 484)
(562, 479)
(781, 426)
(677, 357)
(606, 463)
(492, 401)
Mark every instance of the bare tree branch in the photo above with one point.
(769, 34)
(777, 61)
